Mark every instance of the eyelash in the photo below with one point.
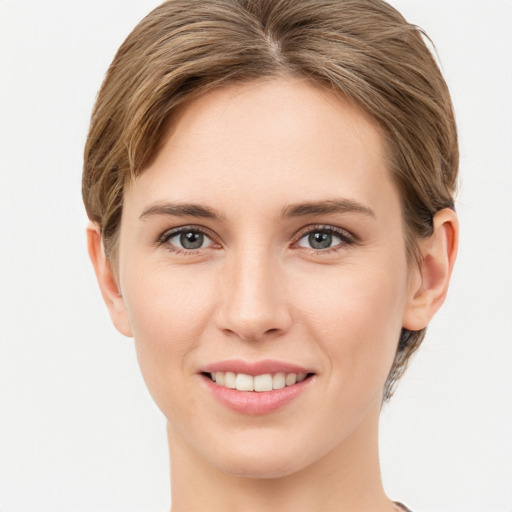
(167, 235)
(345, 237)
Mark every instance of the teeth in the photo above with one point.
(279, 381)
(265, 382)
(244, 382)
(291, 379)
(230, 380)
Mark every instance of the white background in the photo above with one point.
(78, 430)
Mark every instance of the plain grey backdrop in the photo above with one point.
(78, 430)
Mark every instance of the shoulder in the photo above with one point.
(401, 506)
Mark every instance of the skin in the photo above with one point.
(256, 289)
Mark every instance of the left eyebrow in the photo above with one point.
(181, 210)
(326, 207)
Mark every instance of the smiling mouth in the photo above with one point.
(257, 383)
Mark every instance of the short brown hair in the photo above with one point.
(363, 50)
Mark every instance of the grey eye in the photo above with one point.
(320, 239)
(189, 239)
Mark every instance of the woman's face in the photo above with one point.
(266, 238)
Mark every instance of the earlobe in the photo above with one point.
(430, 284)
(107, 281)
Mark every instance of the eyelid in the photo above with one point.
(170, 233)
(346, 237)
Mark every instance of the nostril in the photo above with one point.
(247, 334)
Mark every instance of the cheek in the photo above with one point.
(355, 313)
(168, 310)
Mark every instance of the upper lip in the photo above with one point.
(254, 367)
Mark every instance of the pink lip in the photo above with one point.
(254, 402)
(254, 367)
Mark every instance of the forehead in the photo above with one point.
(282, 140)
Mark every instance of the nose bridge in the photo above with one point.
(254, 301)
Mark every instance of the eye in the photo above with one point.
(186, 239)
(324, 238)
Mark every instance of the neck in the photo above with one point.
(346, 479)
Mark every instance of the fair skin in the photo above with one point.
(292, 251)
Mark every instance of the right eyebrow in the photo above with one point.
(326, 207)
(181, 210)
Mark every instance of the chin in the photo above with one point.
(261, 461)
(261, 467)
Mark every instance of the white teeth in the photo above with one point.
(265, 382)
(244, 382)
(291, 379)
(230, 380)
(279, 381)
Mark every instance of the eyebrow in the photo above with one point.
(326, 207)
(294, 210)
(181, 210)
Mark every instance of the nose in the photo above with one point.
(254, 303)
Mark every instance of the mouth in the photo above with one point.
(257, 383)
(257, 387)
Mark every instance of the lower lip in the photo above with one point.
(255, 402)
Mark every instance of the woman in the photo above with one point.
(270, 187)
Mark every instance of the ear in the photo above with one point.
(107, 281)
(429, 284)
